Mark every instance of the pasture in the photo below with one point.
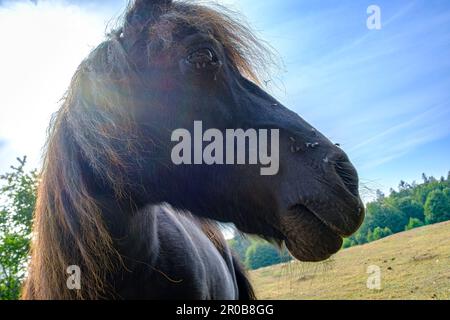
(414, 265)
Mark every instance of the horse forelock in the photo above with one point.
(253, 57)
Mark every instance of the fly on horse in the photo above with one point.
(112, 202)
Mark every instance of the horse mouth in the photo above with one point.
(307, 237)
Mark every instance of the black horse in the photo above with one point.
(112, 202)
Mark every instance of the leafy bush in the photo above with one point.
(413, 223)
(380, 233)
(437, 207)
(18, 199)
(347, 243)
(262, 254)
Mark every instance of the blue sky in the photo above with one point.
(383, 94)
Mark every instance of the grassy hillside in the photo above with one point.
(414, 265)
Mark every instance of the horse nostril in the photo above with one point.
(348, 175)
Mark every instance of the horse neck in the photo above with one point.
(131, 228)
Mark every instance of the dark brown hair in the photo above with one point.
(94, 128)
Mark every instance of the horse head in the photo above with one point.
(175, 63)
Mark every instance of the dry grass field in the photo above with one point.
(413, 264)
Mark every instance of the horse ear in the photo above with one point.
(140, 14)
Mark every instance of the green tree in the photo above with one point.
(381, 214)
(413, 223)
(432, 179)
(379, 233)
(410, 207)
(369, 236)
(437, 207)
(380, 195)
(422, 191)
(348, 242)
(447, 192)
(17, 202)
(262, 254)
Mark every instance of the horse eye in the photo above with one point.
(202, 58)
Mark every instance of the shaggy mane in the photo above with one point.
(93, 136)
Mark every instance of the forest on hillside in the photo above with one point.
(413, 205)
